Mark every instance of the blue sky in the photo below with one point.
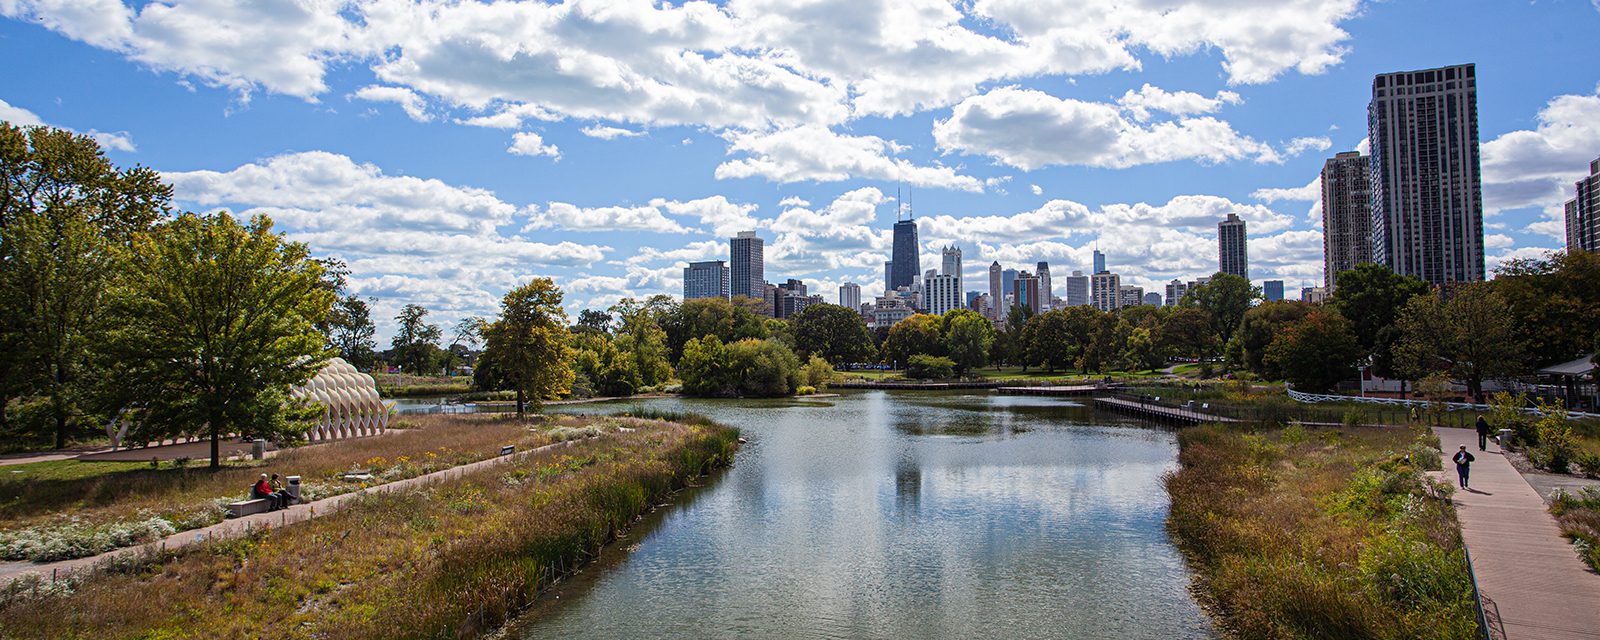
(450, 151)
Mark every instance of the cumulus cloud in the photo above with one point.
(1298, 146)
(1311, 191)
(414, 105)
(818, 154)
(1036, 189)
(575, 218)
(18, 116)
(610, 133)
(1536, 168)
(1141, 103)
(528, 143)
(1029, 129)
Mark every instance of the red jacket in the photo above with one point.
(263, 489)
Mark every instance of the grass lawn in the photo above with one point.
(399, 385)
(1330, 533)
(65, 509)
(446, 560)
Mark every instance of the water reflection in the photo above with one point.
(901, 516)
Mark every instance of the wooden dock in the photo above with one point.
(1534, 585)
(912, 386)
(1159, 411)
(1058, 390)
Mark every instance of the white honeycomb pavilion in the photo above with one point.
(351, 407)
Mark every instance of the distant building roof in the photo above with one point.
(1580, 367)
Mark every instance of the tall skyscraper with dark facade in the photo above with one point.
(1583, 213)
(907, 260)
(1232, 252)
(1346, 214)
(1272, 290)
(1046, 294)
(749, 269)
(705, 280)
(1099, 262)
(997, 292)
(1427, 195)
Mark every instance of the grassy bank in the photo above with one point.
(396, 385)
(453, 559)
(69, 508)
(1324, 534)
(1579, 517)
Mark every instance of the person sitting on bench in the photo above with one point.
(280, 495)
(263, 490)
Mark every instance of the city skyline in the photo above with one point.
(445, 191)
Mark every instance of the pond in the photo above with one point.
(899, 515)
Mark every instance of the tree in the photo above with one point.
(528, 346)
(415, 343)
(1108, 342)
(1227, 297)
(1470, 335)
(64, 211)
(913, 335)
(464, 337)
(967, 338)
(1049, 340)
(1143, 352)
(816, 373)
(1188, 332)
(211, 324)
(593, 320)
(1260, 325)
(639, 334)
(835, 333)
(1553, 303)
(1370, 296)
(350, 330)
(1315, 352)
(763, 368)
(705, 368)
(925, 367)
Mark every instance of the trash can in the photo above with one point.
(258, 449)
(294, 487)
(1503, 438)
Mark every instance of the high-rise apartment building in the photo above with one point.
(1583, 213)
(1272, 290)
(1099, 262)
(1129, 295)
(1231, 247)
(1427, 195)
(1028, 293)
(1152, 299)
(792, 298)
(1346, 214)
(1008, 278)
(1175, 291)
(943, 292)
(997, 292)
(705, 280)
(1313, 295)
(748, 275)
(1046, 293)
(1077, 289)
(1105, 291)
(907, 262)
(850, 296)
(888, 276)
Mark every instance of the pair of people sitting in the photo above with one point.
(271, 490)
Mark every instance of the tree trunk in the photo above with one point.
(216, 443)
(61, 426)
(520, 404)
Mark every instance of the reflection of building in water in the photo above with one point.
(908, 484)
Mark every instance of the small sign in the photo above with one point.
(507, 450)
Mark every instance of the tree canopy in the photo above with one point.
(1226, 297)
(1315, 352)
(528, 346)
(1468, 334)
(835, 333)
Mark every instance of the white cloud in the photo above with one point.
(817, 154)
(1037, 190)
(610, 133)
(1312, 191)
(1298, 146)
(1029, 129)
(575, 218)
(528, 143)
(1140, 103)
(725, 218)
(414, 105)
(1537, 167)
(20, 117)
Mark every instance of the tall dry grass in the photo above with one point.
(189, 497)
(453, 559)
(1329, 534)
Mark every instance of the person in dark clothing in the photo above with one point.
(1463, 462)
(1483, 434)
(280, 496)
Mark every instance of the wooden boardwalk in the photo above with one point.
(1159, 411)
(1054, 390)
(1531, 578)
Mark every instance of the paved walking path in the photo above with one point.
(12, 570)
(1538, 585)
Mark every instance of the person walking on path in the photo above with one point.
(1483, 433)
(1463, 462)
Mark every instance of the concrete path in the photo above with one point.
(1531, 575)
(12, 570)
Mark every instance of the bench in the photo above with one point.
(248, 507)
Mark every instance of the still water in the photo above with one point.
(899, 515)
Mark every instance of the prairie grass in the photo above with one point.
(397, 385)
(64, 509)
(1579, 516)
(447, 560)
(1321, 534)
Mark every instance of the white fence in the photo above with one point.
(1313, 398)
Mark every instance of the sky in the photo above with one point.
(448, 151)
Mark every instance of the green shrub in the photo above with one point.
(805, 390)
(1589, 461)
(926, 367)
(1557, 447)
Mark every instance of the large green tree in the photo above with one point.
(911, 336)
(835, 333)
(705, 368)
(1050, 341)
(528, 347)
(968, 337)
(1261, 324)
(1370, 296)
(1469, 334)
(352, 332)
(211, 323)
(640, 336)
(1315, 352)
(415, 342)
(701, 317)
(1226, 297)
(1554, 302)
(1189, 332)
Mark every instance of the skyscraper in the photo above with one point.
(1099, 262)
(1130, 296)
(1231, 247)
(1046, 295)
(1008, 278)
(705, 280)
(1105, 291)
(950, 262)
(1152, 299)
(1583, 213)
(907, 262)
(1028, 293)
(1427, 195)
(943, 292)
(1346, 214)
(850, 296)
(1175, 291)
(1272, 290)
(748, 272)
(888, 276)
(997, 292)
(1077, 289)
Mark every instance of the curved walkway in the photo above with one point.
(12, 570)
(1533, 577)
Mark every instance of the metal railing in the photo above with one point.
(1314, 398)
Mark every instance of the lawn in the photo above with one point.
(445, 560)
(399, 385)
(65, 509)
